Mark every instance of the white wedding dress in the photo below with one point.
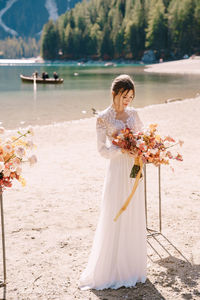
(118, 256)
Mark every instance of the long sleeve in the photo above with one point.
(104, 150)
(138, 124)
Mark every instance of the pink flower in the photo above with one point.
(6, 172)
(169, 154)
(179, 157)
(32, 159)
(18, 170)
(20, 152)
(16, 161)
(12, 168)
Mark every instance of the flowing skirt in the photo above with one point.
(119, 252)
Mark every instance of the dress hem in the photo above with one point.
(115, 285)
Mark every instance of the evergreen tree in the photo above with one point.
(135, 30)
(182, 25)
(95, 40)
(50, 41)
(157, 33)
(18, 48)
(197, 26)
(68, 47)
(117, 33)
(119, 44)
(106, 47)
(123, 29)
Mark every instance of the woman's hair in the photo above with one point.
(123, 83)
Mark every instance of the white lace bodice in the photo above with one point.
(107, 125)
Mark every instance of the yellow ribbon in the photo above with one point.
(133, 190)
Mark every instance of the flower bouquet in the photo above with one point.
(145, 146)
(13, 152)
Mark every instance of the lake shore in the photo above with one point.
(78, 62)
(50, 224)
(183, 66)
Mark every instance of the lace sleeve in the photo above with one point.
(104, 150)
(138, 124)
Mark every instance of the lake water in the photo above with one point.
(75, 98)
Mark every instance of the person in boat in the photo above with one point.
(55, 75)
(35, 74)
(43, 75)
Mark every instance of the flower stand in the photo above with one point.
(152, 232)
(3, 282)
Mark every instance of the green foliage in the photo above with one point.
(18, 48)
(157, 34)
(135, 30)
(50, 41)
(183, 24)
(106, 47)
(110, 29)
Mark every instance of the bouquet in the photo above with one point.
(13, 152)
(147, 147)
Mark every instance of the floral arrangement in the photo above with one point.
(13, 152)
(147, 145)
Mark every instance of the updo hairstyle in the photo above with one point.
(122, 83)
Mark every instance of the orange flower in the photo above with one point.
(169, 139)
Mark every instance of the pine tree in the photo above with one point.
(106, 47)
(68, 46)
(182, 25)
(135, 30)
(156, 32)
(50, 41)
(197, 26)
(123, 29)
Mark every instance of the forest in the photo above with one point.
(19, 47)
(124, 29)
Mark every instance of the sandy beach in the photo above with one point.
(183, 66)
(51, 222)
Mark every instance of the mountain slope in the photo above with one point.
(26, 18)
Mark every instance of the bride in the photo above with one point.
(118, 255)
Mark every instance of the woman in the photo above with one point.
(118, 254)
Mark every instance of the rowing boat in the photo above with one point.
(41, 80)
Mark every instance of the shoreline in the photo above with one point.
(77, 121)
(183, 66)
(79, 62)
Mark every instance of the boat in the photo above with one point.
(41, 80)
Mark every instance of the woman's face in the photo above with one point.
(127, 97)
(122, 100)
